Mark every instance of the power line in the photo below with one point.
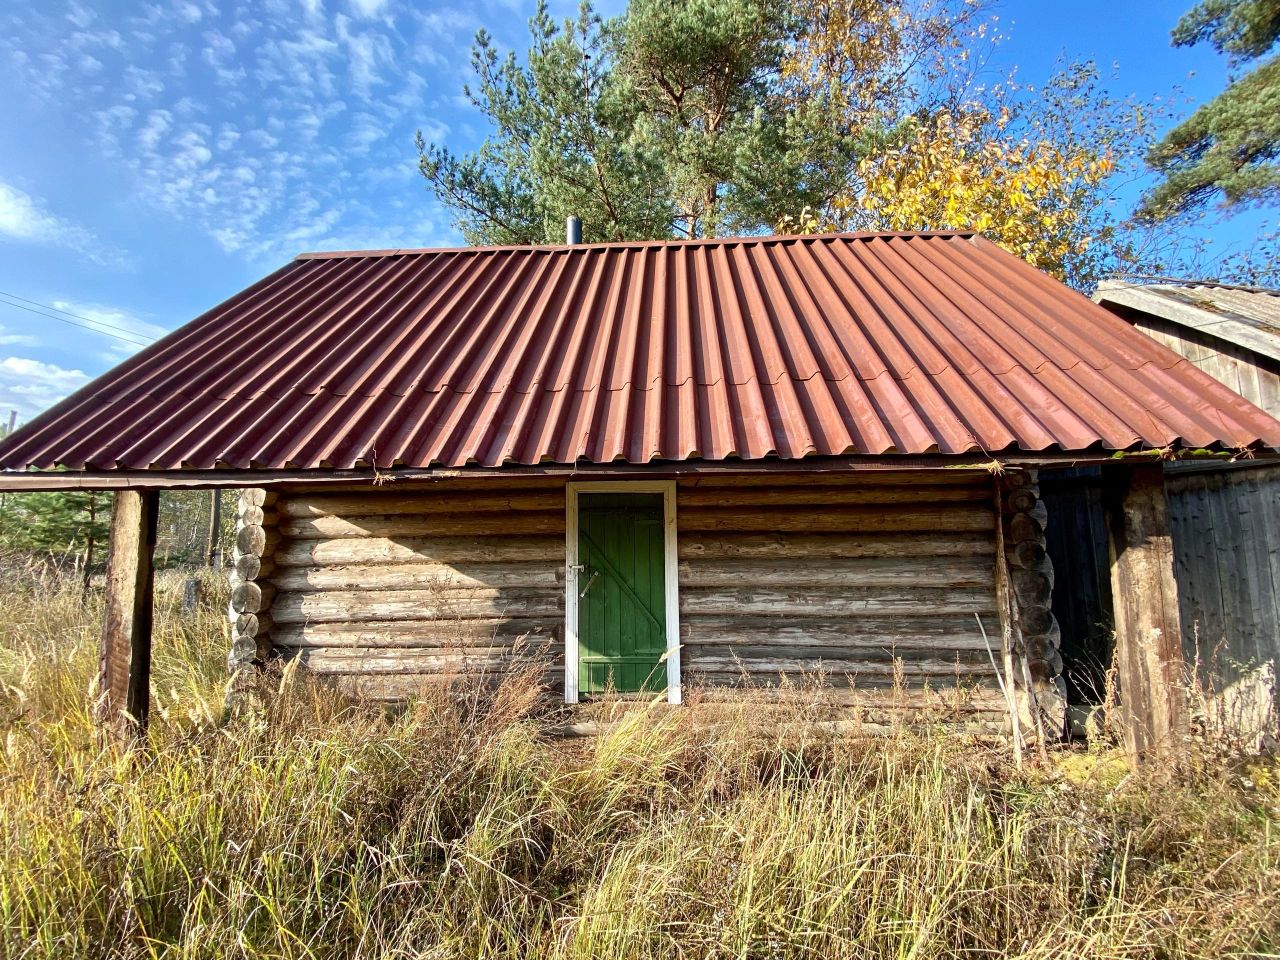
(68, 313)
(83, 327)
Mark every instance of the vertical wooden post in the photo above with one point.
(125, 665)
(1148, 626)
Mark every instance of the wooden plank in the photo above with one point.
(440, 576)
(125, 652)
(1148, 625)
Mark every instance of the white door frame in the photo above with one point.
(670, 576)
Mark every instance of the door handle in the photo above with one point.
(590, 581)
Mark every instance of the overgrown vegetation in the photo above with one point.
(461, 827)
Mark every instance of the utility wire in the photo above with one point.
(68, 313)
(83, 326)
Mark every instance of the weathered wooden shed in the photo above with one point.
(671, 465)
(1225, 518)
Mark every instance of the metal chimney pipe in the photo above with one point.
(572, 231)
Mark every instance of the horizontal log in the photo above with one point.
(450, 550)
(857, 519)
(837, 633)
(780, 494)
(444, 524)
(255, 497)
(395, 634)
(251, 624)
(260, 516)
(784, 571)
(439, 576)
(699, 663)
(401, 687)
(251, 597)
(376, 662)
(1024, 526)
(355, 605)
(249, 567)
(253, 540)
(428, 502)
(869, 699)
(978, 479)
(1022, 500)
(849, 602)
(693, 545)
(812, 681)
(1029, 554)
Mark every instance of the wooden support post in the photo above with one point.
(1149, 662)
(125, 665)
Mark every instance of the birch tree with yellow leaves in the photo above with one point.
(932, 147)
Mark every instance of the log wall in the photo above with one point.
(385, 590)
(871, 581)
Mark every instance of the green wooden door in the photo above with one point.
(622, 631)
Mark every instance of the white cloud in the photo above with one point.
(306, 138)
(30, 386)
(25, 219)
(16, 339)
(368, 9)
(115, 320)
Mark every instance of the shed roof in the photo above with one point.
(1247, 317)
(748, 348)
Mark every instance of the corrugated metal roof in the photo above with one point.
(739, 348)
(1248, 317)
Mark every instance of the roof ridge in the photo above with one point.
(746, 240)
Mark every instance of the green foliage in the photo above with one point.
(55, 524)
(62, 525)
(1230, 145)
(713, 117)
(662, 123)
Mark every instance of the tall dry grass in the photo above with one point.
(317, 827)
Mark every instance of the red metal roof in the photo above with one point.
(712, 349)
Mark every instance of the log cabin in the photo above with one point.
(669, 466)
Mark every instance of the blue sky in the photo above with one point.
(156, 157)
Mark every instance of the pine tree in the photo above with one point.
(661, 123)
(1230, 145)
(60, 525)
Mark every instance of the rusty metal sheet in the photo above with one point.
(741, 348)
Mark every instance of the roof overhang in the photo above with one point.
(35, 481)
(1187, 310)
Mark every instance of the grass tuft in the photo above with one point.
(462, 826)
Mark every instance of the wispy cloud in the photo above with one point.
(25, 219)
(16, 339)
(262, 124)
(30, 386)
